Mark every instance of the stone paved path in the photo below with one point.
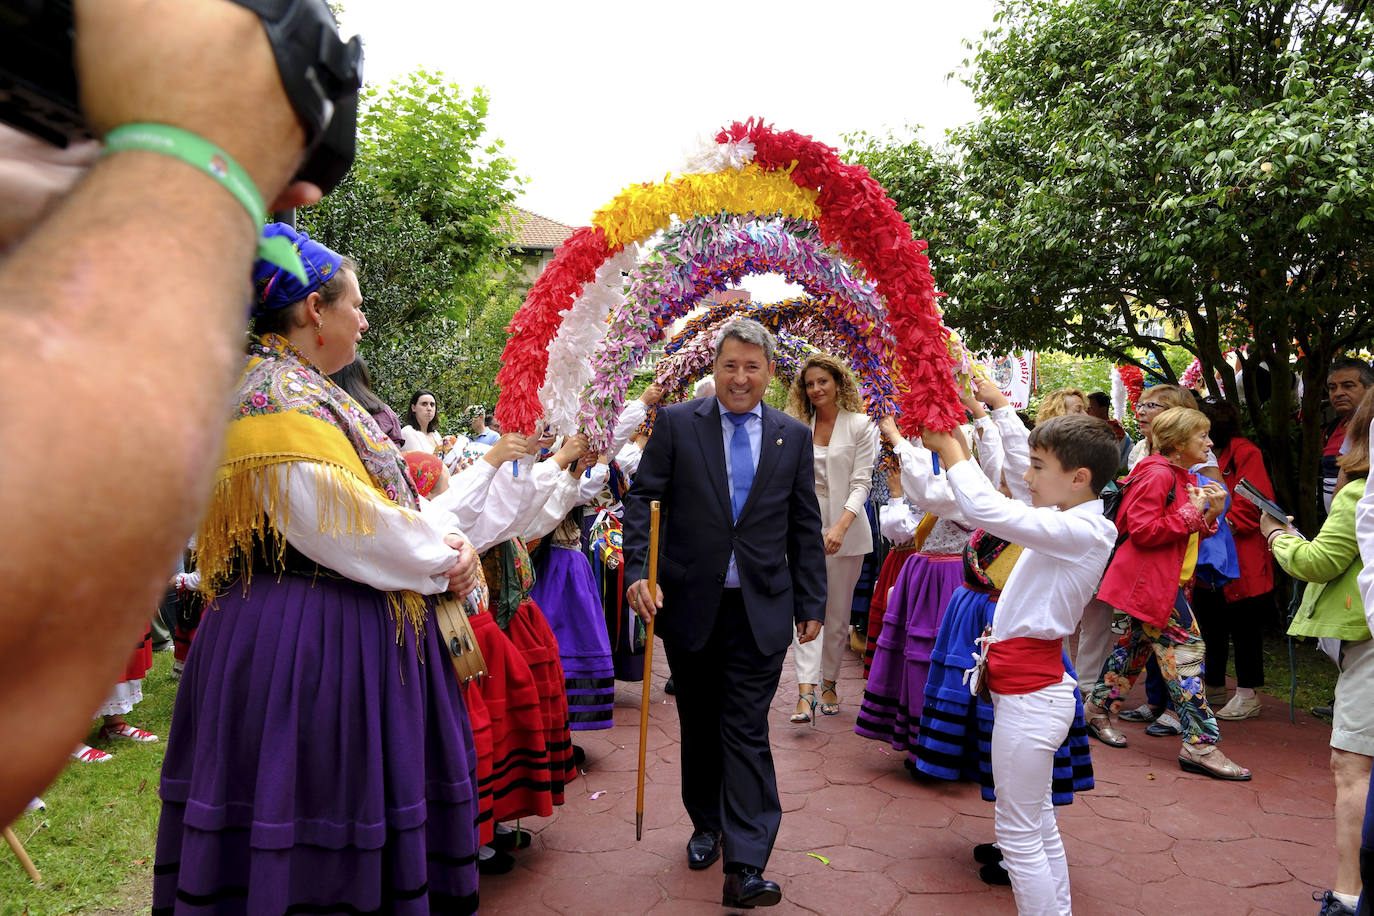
(1149, 839)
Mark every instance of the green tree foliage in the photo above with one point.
(457, 360)
(423, 214)
(1210, 160)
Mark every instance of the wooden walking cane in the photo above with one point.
(23, 856)
(648, 668)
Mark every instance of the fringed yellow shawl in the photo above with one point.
(287, 410)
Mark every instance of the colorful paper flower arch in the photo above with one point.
(751, 169)
(709, 254)
(815, 322)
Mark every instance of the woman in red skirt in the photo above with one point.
(123, 698)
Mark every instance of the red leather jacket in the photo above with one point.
(1241, 459)
(1142, 578)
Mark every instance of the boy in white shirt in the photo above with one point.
(1067, 543)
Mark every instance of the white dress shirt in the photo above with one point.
(1015, 451)
(924, 487)
(990, 455)
(897, 522)
(627, 424)
(1061, 564)
(405, 549)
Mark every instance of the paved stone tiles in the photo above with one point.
(1149, 839)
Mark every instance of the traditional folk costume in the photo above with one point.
(864, 590)
(602, 539)
(566, 591)
(129, 691)
(1033, 694)
(190, 607)
(955, 741)
(902, 530)
(501, 504)
(508, 731)
(508, 568)
(321, 757)
(602, 543)
(123, 697)
(895, 695)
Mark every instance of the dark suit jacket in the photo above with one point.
(777, 540)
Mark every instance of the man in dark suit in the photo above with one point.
(741, 568)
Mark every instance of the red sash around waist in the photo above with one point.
(1024, 664)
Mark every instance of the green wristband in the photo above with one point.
(204, 156)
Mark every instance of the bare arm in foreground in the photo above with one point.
(121, 327)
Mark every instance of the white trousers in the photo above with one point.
(841, 575)
(1095, 642)
(1026, 730)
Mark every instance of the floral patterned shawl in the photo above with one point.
(289, 411)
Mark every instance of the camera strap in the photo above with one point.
(205, 157)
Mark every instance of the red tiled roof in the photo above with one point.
(538, 232)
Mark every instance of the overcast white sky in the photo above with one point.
(592, 96)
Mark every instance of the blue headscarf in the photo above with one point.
(275, 288)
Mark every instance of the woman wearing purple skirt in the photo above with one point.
(565, 590)
(320, 757)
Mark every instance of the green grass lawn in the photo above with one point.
(1316, 674)
(94, 843)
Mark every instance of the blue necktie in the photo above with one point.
(741, 461)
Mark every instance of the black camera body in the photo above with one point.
(320, 72)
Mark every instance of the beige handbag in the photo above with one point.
(455, 632)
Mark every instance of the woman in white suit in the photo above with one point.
(825, 395)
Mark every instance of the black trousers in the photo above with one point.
(724, 692)
(1222, 622)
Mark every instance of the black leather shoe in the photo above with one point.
(747, 888)
(993, 873)
(703, 849)
(987, 854)
(497, 864)
(669, 687)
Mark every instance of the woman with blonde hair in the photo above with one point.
(1163, 516)
(1061, 402)
(824, 394)
(1155, 400)
(1095, 637)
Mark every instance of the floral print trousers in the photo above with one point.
(1179, 649)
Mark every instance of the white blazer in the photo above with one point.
(849, 475)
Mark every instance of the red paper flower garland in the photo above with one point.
(860, 219)
(526, 357)
(1134, 380)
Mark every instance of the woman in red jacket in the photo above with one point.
(1234, 612)
(1149, 577)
